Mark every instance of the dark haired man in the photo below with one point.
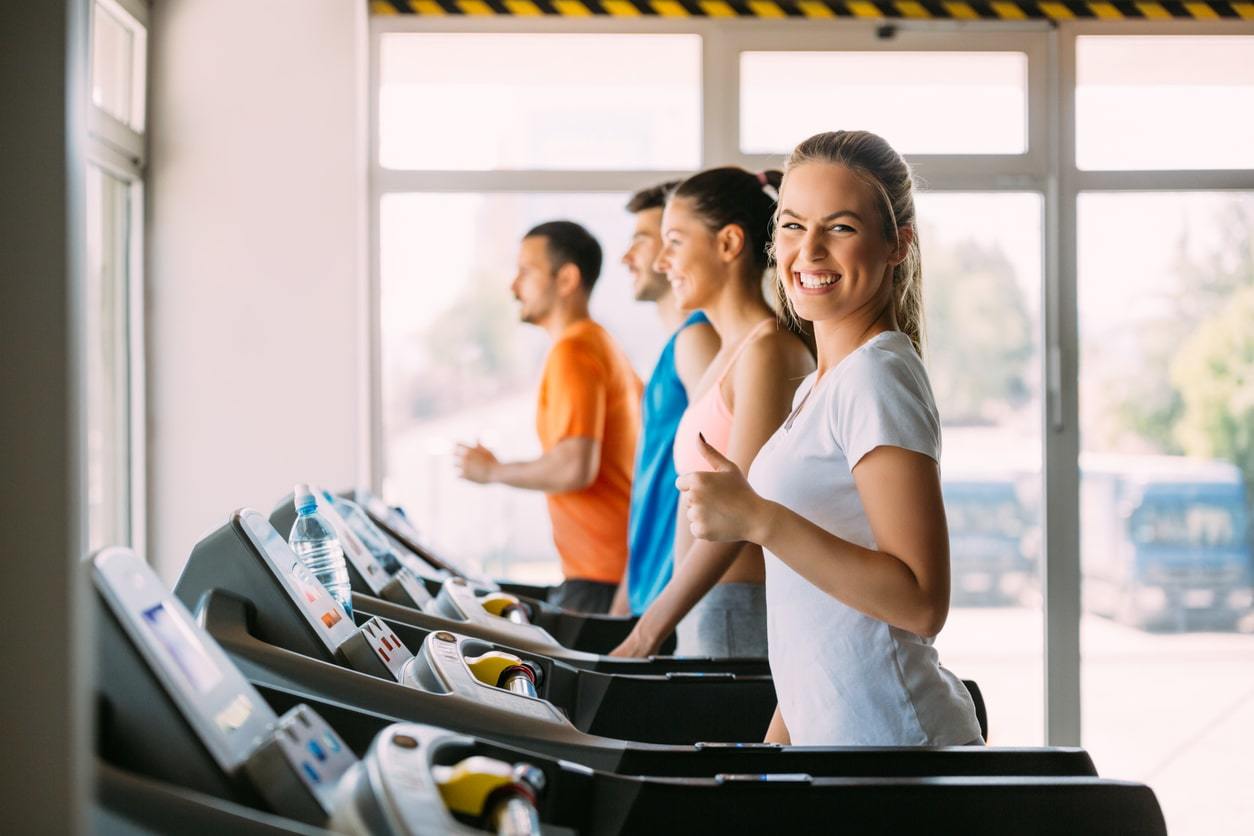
(588, 417)
(684, 358)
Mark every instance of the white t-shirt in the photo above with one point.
(842, 677)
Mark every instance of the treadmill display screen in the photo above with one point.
(184, 647)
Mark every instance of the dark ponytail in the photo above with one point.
(725, 196)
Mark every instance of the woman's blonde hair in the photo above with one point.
(873, 160)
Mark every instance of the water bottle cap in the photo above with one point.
(304, 499)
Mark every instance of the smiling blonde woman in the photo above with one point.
(845, 498)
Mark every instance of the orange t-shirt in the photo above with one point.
(589, 390)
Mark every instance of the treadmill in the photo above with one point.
(466, 607)
(284, 631)
(186, 744)
(578, 631)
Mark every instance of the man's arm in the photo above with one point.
(575, 415)
(570, 465)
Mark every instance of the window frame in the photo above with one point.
(104, 127)
(120, 152)
(1062, 449)
(1047, 168)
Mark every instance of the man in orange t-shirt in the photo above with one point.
(587, 418)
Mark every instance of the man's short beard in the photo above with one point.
(654, 290)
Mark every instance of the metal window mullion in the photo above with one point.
(367, 312)
(1165, 181)
(720, 98)
(1061, 438)
(845, 35)
(109, 159)
(106, 129)
(375, 427)
(539, 25)
(137, 375)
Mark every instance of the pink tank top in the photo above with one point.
(710, 416)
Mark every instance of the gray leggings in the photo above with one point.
(730, 621)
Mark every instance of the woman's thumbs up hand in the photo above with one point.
(721, 505)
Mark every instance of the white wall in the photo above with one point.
(256, 272)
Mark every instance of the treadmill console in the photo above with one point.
(372, 648)
(380, 510)
(459, 601)
(440, 667)
(226, 712)
(355, 551)
(324, 616)
(397, 525)
(366, 571)
(293, 762)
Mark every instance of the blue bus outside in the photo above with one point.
(1165, 541)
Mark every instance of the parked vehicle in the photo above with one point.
(993, 545)
(1165, 540)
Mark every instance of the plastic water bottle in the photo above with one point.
(366, 531)
(314, 541)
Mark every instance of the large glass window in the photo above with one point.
(489, 102)
(113, 338)
(982, 282)
(1166, 293)
(1164, 102)
(459, 366)
(108, 371)
(921, 102)
(1163, 314)
(118, 47)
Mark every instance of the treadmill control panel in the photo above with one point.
(355, 550)
(225, 711)
(377, 650)
(324, 616)
(443, 656)
(393, 519)
(301, 764)
(294, 762)
(381, 511)
(459, 600)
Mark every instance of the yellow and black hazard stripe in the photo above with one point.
(1057, 10)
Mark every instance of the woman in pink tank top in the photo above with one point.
(715, 250)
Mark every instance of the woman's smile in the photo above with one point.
(815, 282)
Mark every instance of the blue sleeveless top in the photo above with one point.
(654, 498)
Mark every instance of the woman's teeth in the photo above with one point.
(817, 280)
